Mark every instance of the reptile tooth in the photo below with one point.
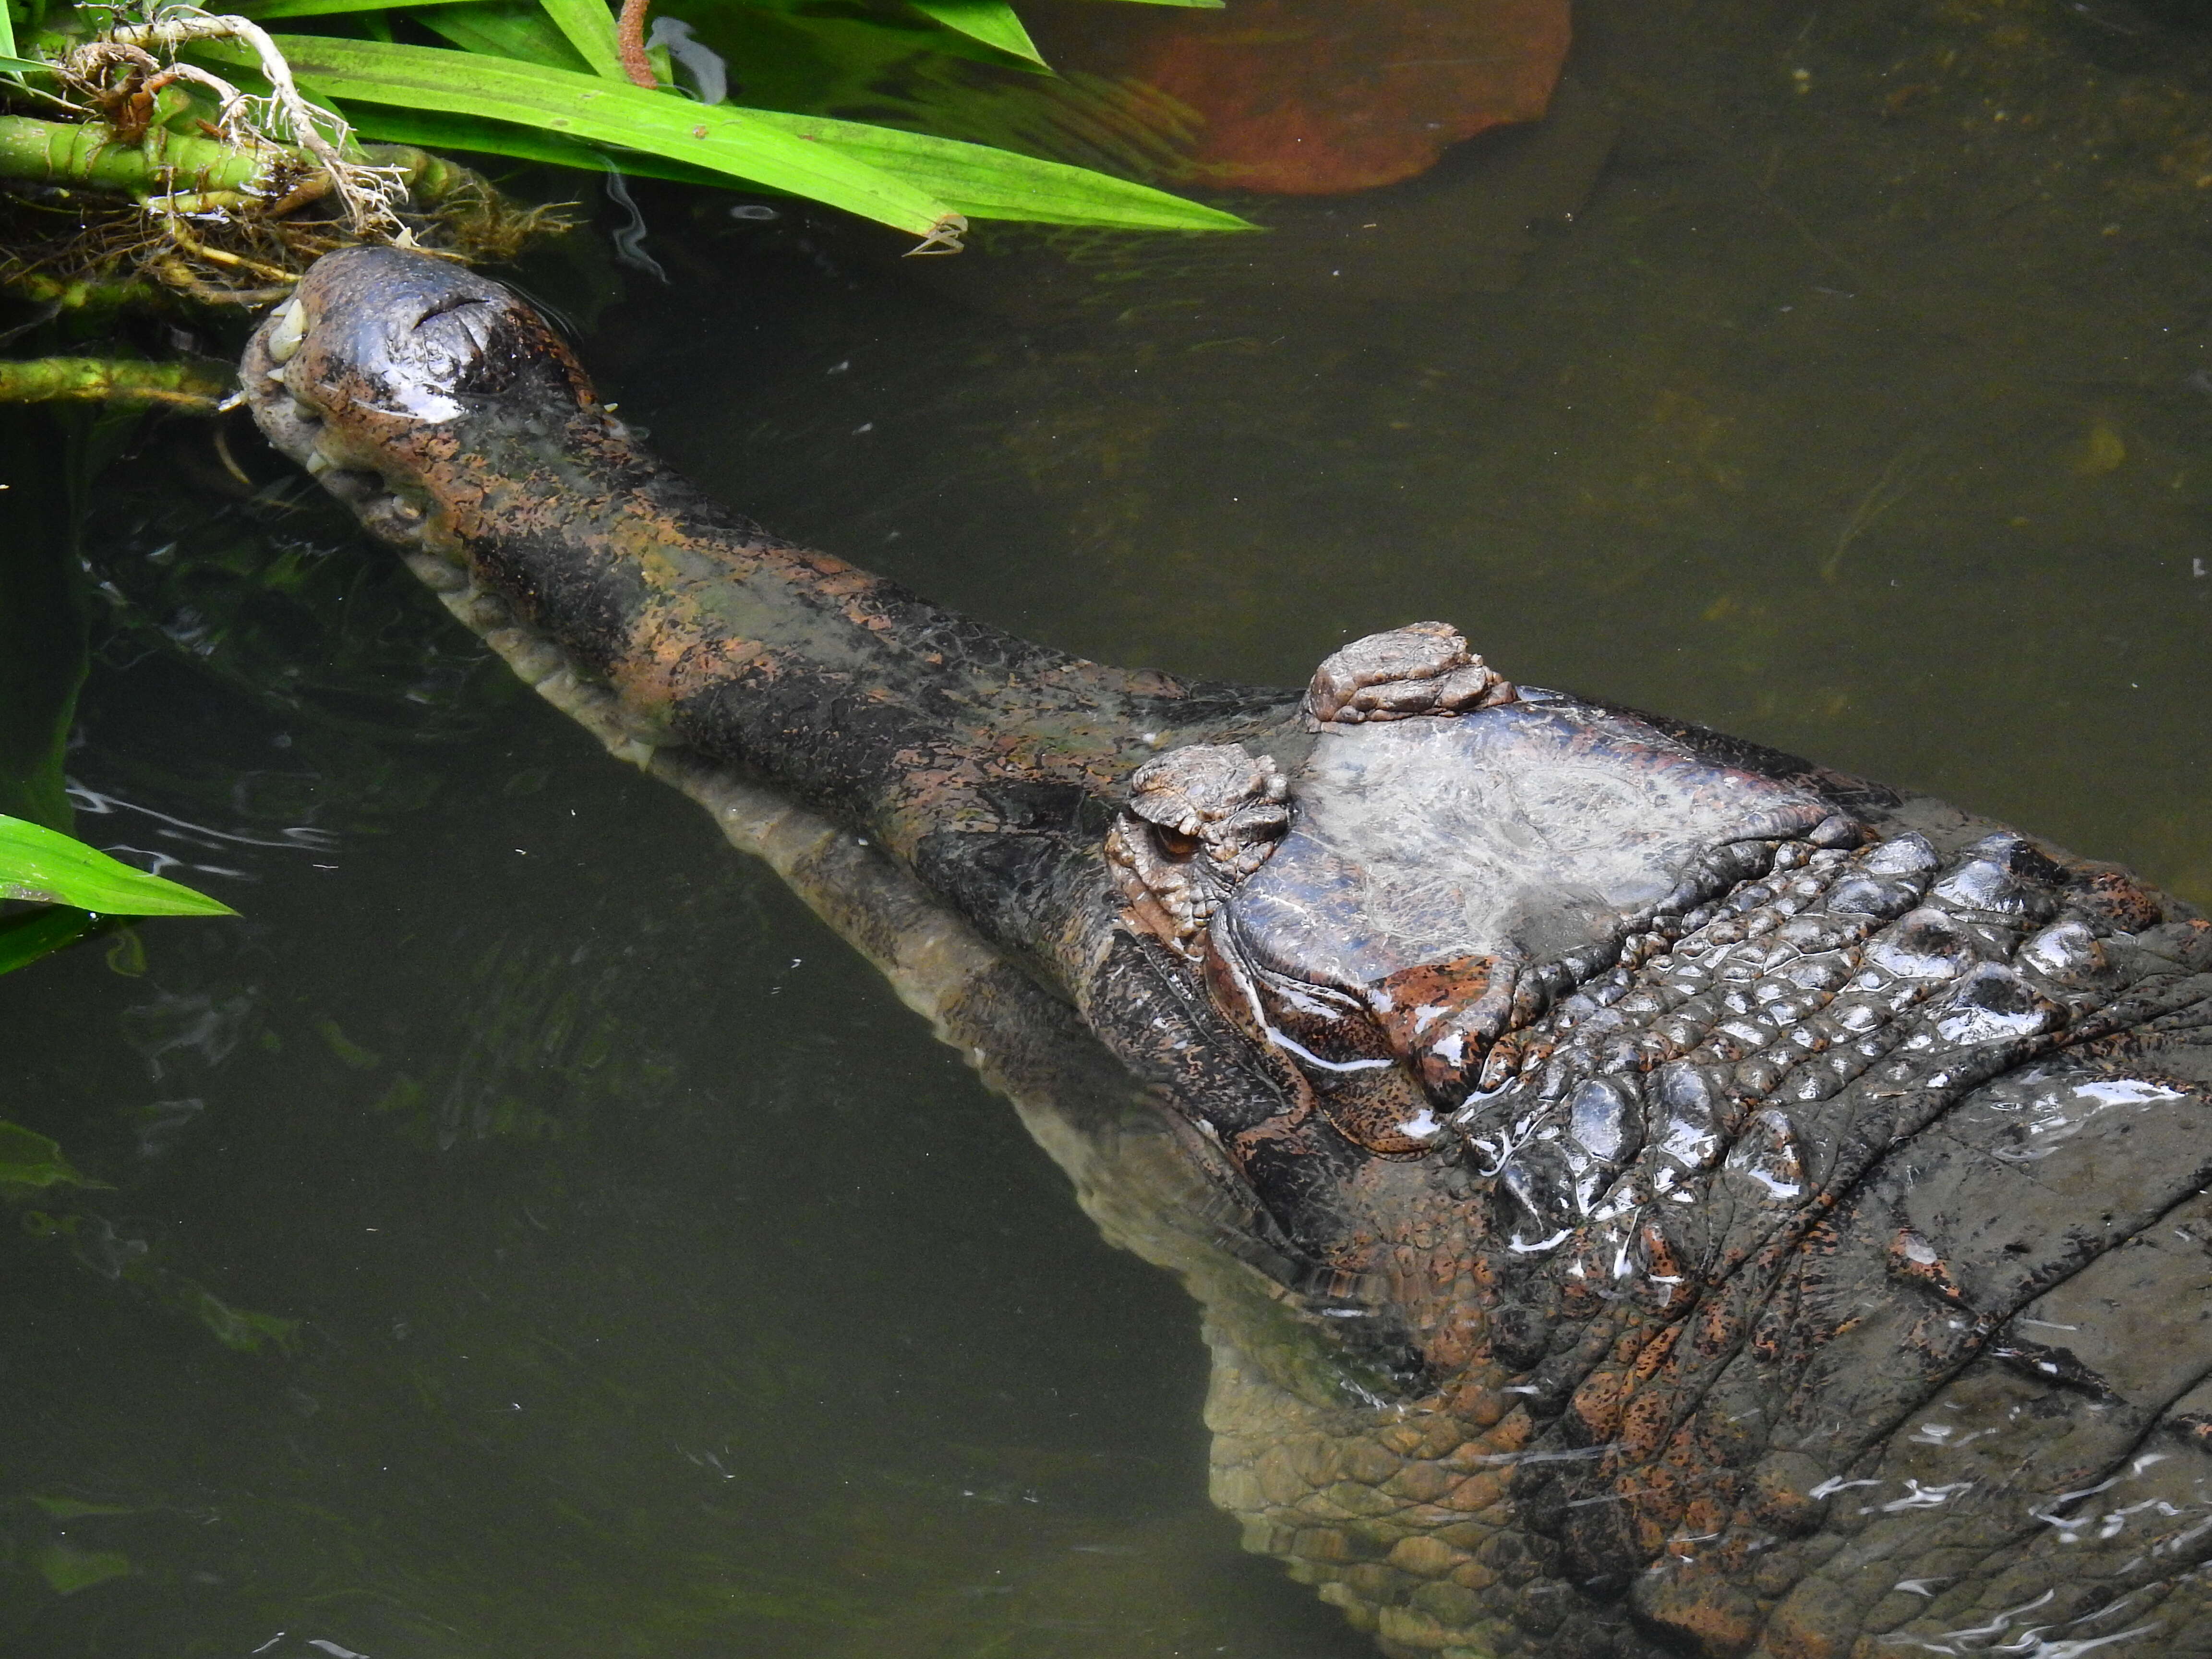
(289, 328)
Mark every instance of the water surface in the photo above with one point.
(527, 1232)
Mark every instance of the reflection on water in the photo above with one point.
(529, 1231)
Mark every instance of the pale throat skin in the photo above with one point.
(1650, 1195)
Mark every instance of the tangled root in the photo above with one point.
(281, 182)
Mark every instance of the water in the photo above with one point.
(635, 1274)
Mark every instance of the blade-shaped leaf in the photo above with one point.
(985, 183)
(903, 178)
(41, 864)
(431, 131)
(741, 144)
(991, 22)
(28, 1159)
(590, 28)
(519, 31)
(29, 934)
(262, 11)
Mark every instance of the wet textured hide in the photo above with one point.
(1647, 1195)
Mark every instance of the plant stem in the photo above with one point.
(196, 388)
(92, 294)
(630, 39)
(87, 153)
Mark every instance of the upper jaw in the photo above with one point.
(368, 376)
(315, 378)
(305, 415)
(401, 332)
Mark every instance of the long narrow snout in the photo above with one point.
(458, 426)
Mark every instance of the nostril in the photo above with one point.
(446, 306)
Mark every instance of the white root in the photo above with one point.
(367, 192)
(231, 102)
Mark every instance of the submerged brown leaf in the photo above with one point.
(1314, 97)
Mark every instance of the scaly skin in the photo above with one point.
(717, 636)
(1811, 1257)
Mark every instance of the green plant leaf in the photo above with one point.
(348, 1051)
(68, 1570)
(30, 934)
(741, 144)
(1119, 203)
(429, 130)
(262, 11)
(30, 1159)
(991, 22)
(240, 1327)
(985, 183)
(903, 178)
(519, 31)
(41, 864)
(590, 28)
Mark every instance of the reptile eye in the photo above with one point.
(1176, 844)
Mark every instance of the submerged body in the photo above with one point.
(1648, 1195)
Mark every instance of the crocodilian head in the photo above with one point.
(1385, 925)
(386, 368)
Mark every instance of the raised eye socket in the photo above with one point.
(1176, 844)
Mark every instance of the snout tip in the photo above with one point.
(383, 330)
(385, 364)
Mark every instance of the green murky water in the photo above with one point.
(527, 1232)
